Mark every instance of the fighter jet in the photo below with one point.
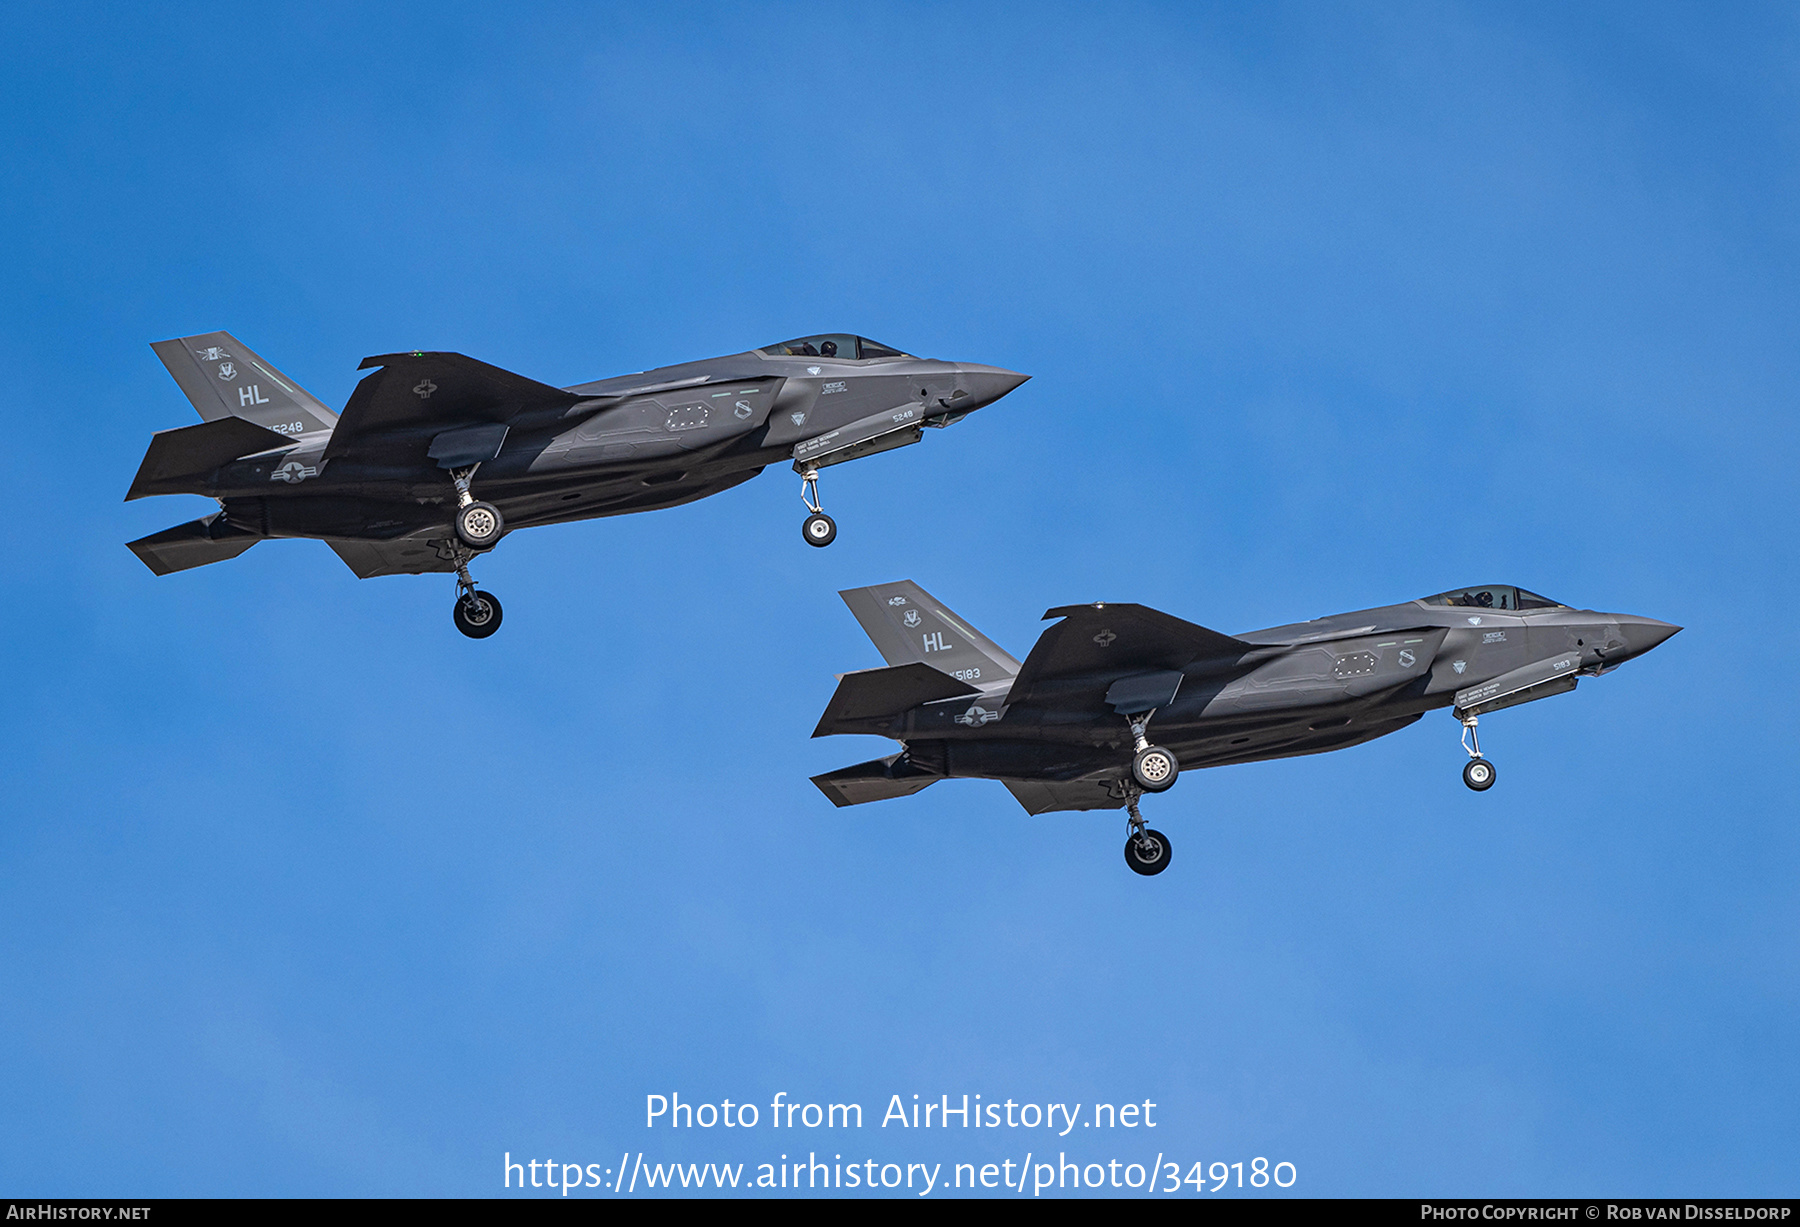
(436, 456)
(1070, 728)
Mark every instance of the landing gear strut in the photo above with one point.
(1146, 851)
(1478, 772)
(819, 528)
(477, 613)
(478, 524)
(1153, 767)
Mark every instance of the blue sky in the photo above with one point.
(1326, 307)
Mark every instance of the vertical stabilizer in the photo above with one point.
(908, 624)
(223, 377)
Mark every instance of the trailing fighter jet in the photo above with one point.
(437, 456)
(1070, 728)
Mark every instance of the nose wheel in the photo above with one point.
(1478, 772)
(819, 528)
(1146, 851)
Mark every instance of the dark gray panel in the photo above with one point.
(906, 623)
(887, 692)
(194, 451)
(194, 544)
(458, 449)
(870, 781)
(407, 556)
(1103, 642)
(1538, 680)
(817, 451)
(1039, 797)
(1142, 692)
(224, 377)
(423, 390)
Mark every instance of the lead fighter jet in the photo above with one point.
(436, 456)
(1070, 728)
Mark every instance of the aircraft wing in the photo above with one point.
(1100, 644)
(403, 556)
(1045, 796)
(418, 395)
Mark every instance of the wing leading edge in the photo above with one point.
(410, 394)
(1106, 642)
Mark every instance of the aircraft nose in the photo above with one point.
(1642, 634)
(987, 384)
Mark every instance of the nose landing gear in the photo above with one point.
(1146, 851)
(1478, 772)
(819, 528)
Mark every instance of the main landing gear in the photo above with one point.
(477, 613)
(1478, 772)
(478, 524)
(1153, 767)
(478, 527)
(819, 528)
(1146, 851)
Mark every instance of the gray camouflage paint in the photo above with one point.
(1054, 728)
(373, 482)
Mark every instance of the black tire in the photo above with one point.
(819, 529)
(479, 525)
(477, 615)
(1478, 774)
(1150, 856)
(1155, 769)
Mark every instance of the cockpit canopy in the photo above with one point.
(1494, 596)
(832, 345)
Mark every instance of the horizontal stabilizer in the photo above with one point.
(193, 544)
(1116, 641)
(419, 390)
(1538, 680)
(1041, 797)
(879, 780)
(874, 693)
(177, 457)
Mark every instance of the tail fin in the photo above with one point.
(223, 377)
(908, 625)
